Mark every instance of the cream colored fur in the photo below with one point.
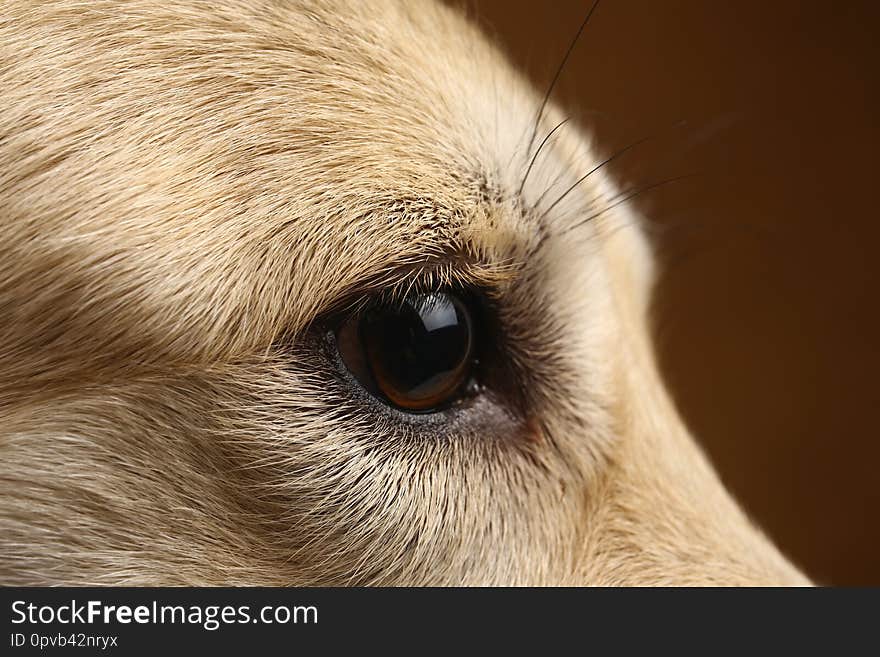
(188, 188)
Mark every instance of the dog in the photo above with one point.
(325, 293)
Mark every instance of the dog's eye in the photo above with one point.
(417, 355)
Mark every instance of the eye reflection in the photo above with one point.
(417, 355)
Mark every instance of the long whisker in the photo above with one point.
(558, 73)
(614, 201)
(601, 164)
(538, 152)
(624, 197)
(589, 173)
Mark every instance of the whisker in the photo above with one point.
(538, 152)
(546, 99)
(624, 197)
(613, 202)
(589, 173)
(601, 164)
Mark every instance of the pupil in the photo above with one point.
(419, 353)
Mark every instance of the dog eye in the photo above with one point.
(417, 355)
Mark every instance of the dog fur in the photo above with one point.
(188, 188)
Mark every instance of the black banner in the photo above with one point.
(146, 620)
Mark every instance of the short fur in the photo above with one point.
(189, 189)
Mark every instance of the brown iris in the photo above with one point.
(417, 355)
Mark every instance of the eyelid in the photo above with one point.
(394, 284)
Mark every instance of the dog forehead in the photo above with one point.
(326, 104)
(194, 165)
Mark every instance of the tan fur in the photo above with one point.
(187, 188)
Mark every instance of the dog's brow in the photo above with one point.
(405, 244)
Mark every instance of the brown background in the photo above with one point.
(767, 311)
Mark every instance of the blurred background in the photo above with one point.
(767, 311)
